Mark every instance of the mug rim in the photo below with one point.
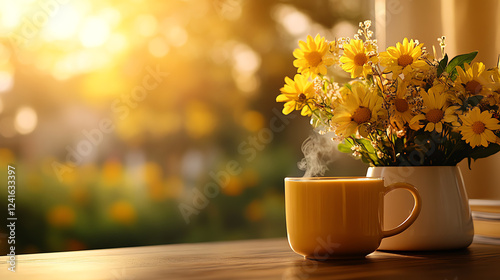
(350, 178)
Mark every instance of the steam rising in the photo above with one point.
(319, 151)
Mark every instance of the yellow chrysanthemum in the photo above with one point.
(313, 56)
(435, 113)
(473, 79)
(359, 107)
(400, 110)
(477, 128)
(298, 94)
(356, 57)
(403, 58)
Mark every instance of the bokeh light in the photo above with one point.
(294, 21)
(26, 120)
(6, 81)
(145, 25)
(94, 32)
(158, 47)
(64, 24)
(116, 112)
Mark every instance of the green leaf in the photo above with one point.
(442, 65)
(474, 100)
(398, 145)
(370, 78)
(367, 144)
(345, 148)
(374, 158)
(365, 160)
(456, 149)
(370, 154)
(482, 152)
(459, 61)
(348, 86)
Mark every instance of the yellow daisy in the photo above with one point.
(403, 58)
(473, 79)
(359, 107)
(400, 110)
(435, 113)
(313, 56)
(477, 128)
(355, 59)
(494, 97)
(297, 93)
(496, 75)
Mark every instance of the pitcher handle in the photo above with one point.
(414, 212)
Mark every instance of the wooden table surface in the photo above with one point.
(251, 259)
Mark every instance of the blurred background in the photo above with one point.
(151, 122)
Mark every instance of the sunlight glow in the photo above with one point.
(344, 27)
(117, 42)
(13, 17)
(64, 24)
(94, 33)
(26, 120)
(4, 55)
(176, 36)
(6, 81)
(146, 25)
(246, 83)
(111, 15)
(158, 47)
(245, 59)
(294, 22)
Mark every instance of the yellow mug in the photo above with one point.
(329, 218)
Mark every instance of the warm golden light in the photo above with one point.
(116, 111)
(176, 35)
(95, 32)
(146, 25)
(7, 127)
(13, 17)
(117, 43)
(294, 21)
(6, 81)
(64, 25)
(158, 47)
(245, 59)
(26, 120)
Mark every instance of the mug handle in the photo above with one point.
(414, 212)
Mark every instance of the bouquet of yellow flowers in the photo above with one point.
(403, 106)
